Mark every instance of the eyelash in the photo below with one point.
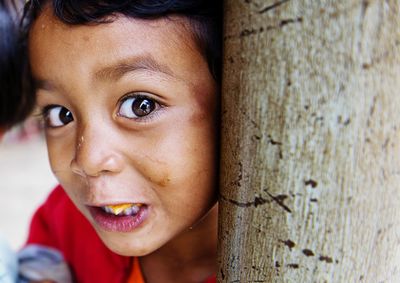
(40, 114)
(44, 112)
(44, 115)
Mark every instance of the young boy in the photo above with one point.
(129, 94)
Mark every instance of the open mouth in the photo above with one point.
(124, 217)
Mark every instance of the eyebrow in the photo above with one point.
(43, 84)
(144, 62)
(116, 71)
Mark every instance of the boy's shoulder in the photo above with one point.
(57, 193)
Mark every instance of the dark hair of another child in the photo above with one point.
(205, 17)
(15, 102)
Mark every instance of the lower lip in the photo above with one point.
(115, 223)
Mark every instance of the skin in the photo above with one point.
(165, 160)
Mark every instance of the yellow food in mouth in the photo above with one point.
(119, 208)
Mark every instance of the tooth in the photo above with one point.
(127, 211)
(135, 209)
(132, 210)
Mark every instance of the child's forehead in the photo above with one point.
(120, 40)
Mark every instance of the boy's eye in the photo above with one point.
(57, 116)
(136, 107)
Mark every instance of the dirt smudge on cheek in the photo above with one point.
(156, 171)
(164, 182)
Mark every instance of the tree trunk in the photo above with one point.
(310, 172)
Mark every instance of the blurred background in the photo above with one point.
(25, 179)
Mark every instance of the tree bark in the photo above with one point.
(310, 167)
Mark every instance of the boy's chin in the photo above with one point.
(125, 244)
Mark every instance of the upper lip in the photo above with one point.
(99, 196)
(102, 191)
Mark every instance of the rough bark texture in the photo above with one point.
(310, 173)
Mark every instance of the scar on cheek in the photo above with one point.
(156, 172)
(161, 180)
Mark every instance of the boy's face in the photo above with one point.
(131, 118)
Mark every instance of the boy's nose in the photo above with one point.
(95, 154)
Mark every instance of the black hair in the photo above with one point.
(205, 17)
(15, 103)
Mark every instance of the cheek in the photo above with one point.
(57, 155)
(185, 157)
(178, 156)
(153, 163)
(60, 153)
